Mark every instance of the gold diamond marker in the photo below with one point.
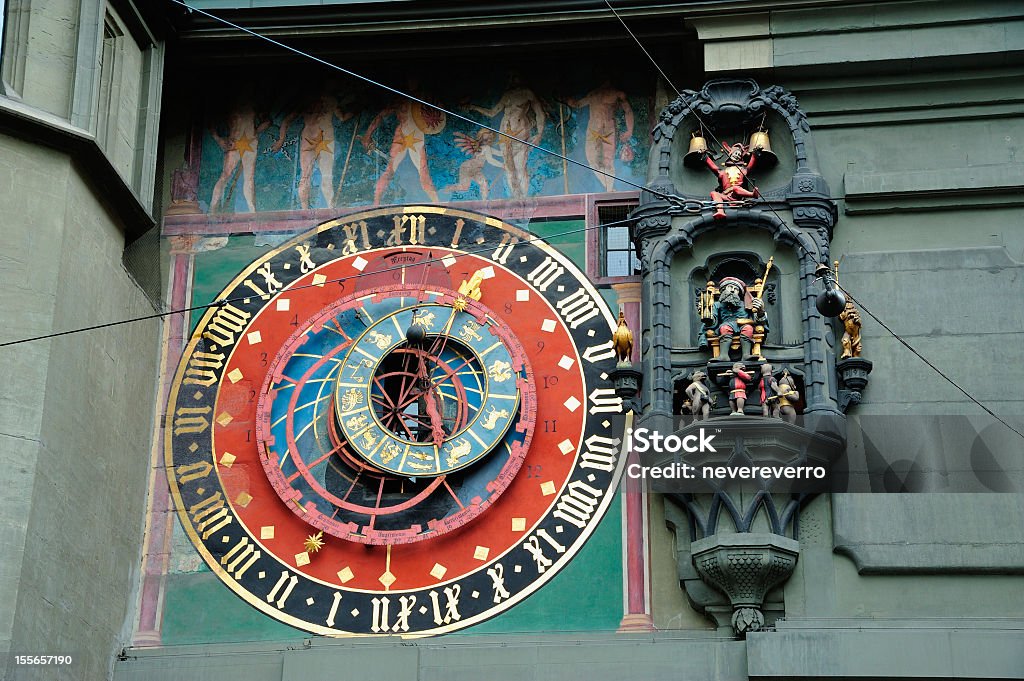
(387, 579)
(548, 488)
(227, 459)
(301, 559)
(267, 532)
(346, 575)
(235, 375)
(481, 553)
(243, 499)
(518, 524)
(193, 447)
(437, 572)
(224, 419)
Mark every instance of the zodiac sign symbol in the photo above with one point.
(458, 450)
(421, 456)
(351, 399)
(424, 319)
(369, 439)
(500, 370)
(381, 340)
(419, 466)
(357, 422)
(469, 330)
(356, 367)
(389, 452)
(492, 417)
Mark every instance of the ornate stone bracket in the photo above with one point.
(727, 555)
(745, 567)
(854, 374)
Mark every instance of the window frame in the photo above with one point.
(596, 235)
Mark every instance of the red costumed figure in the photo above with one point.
(738, 387)
(732, 177)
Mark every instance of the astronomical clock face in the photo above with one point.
(397, 423)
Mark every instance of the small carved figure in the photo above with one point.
(699, 396)
(787, 397)
(732, 176)
(769, 388)
(738, 387)
(622, 340)
(850, 316)
(735, 311)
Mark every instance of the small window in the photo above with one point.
(108, 95)
(14, 19)
(618, 256)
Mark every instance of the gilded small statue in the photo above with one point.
(787, 397)
(850, 317)
(622, 341)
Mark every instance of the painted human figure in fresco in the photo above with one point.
(522, 117)
(735, 312)
(732, 176)
(481, 152)
(316, 145)
(603, 138)
(414, 122)
(239, 144)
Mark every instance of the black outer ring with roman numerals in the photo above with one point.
(238, 557)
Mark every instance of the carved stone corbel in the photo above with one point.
(745, 567)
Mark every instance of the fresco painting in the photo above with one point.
(334, 147)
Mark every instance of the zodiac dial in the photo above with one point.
(398, 422)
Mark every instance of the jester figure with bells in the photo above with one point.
(735, 312)
(732, 176)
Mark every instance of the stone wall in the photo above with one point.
(75, 417)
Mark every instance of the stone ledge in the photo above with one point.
(954, 533)
(887, 650)
(1000, 184)
(28, 123)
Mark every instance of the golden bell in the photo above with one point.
(694, 155)
(766, 158)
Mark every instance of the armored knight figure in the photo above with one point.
(734, 312)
